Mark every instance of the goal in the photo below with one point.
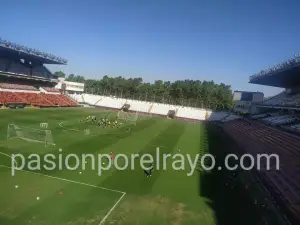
(127, 117)
(29, 134)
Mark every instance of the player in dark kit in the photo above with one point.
(149, 173)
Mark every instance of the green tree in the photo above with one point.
(193, 93)
(58, 74)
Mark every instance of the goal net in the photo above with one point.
(127, 117)
(29, 134)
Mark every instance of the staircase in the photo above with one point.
(96, 101)
(42, 97)
(20, 97)
(176, 111)
(150, 108)
(63, 100)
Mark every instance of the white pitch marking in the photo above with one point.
(162, 146)
(71, 181)
(110, 211)
(60, 124)
(16, 164)
(76, 182)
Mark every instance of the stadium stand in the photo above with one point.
(280, 119)
(265, 132)
(259, 116)
(25, 81)
(258, 138)
(140, 106)
(296, 126)
(86, 98)
(284, 99)
(17, 87)
(49, 89)
(191, 113)
(111, 102)
(68, 100)
(217, 116)
(230, 117)
(35, 99)
(10, 97)
(159, 109)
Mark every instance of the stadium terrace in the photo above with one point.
(45, 114)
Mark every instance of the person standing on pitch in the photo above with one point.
(149, 173)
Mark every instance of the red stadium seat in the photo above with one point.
(35, 99)
(11, 97)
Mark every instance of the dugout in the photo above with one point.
(125, 107)
(171, 114)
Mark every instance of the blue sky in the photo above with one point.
(224, 41)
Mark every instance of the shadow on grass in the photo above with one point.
(4, 220)
(226, 195)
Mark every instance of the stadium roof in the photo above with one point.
(9, 48)
(283, 75)
(249, 92)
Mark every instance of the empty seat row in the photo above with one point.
(111, 102)
(279, 119)
(50, 89)
(35, 99)
(191, 113)
(139, 106)
(255, 138)
(17, 87)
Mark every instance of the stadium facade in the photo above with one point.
(68, 87)
(244, 99)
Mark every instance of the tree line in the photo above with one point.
(194, 93)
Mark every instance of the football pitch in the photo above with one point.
(120, 197)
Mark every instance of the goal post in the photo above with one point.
(29, 134)
(127, 117)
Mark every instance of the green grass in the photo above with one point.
(168, 197)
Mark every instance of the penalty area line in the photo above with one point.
(71, 181)
(60, 124)
(77, 182)
(15, 161)
(112, 209)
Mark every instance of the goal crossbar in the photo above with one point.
(127, 117)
